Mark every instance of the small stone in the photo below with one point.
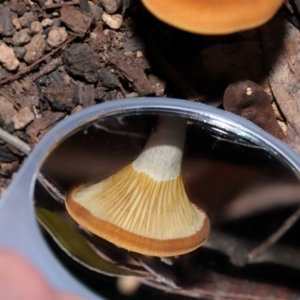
(96, 11)
(26, 19)
(113, 21)
(158, 84)
(35, 49)
(7, 110)
(4, 73)
(19, 52)
(47, 22)
(22, 37)
(57, 36)
(17, 24)
(22, 118)
(110, 6)
(6, 18)
(21, 8)
(36, 27)
(8, 58)
(76, 109)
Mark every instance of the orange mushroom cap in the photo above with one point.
(213, 16)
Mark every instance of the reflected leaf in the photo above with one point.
(75, 244)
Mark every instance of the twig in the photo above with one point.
(58, 5)
(272, 239)
(238, 248)
(28, 69)
(14, 141)
(51, 66)
(25, 148)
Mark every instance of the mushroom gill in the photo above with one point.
(144, 207)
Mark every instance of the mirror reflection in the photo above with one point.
(234, 181)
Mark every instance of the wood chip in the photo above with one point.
(6, 155)
(48, 119)
(76, 20)
(135, 74)
(60, 97)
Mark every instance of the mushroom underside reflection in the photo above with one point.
(144, 207)
(216, 171)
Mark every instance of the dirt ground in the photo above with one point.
(59, 57)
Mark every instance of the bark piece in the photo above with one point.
(88, 96)
(7, 169)
(134, 74)
(28, 100)
(76, 20)
(80, 60)
(48, 119)
(60, 97)
(6, 155)
(108, 79)
(7, 110)
(23, 118)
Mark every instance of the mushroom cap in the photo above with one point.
(134, 211)
(213, 16)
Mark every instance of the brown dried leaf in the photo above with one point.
(285, 79)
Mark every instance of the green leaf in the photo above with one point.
(75, 245)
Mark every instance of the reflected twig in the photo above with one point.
(272, 239)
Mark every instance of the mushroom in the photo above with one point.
(213, 16)
(144, 207)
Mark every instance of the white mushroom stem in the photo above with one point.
(162, 155)
(144, 206)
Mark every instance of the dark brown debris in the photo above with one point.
(133, 73)
(81, 61)
(62, 98)
(45, 121)
(6, 155)
(249, 100)
(6, 25)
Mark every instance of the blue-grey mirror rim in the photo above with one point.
(18, 227)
